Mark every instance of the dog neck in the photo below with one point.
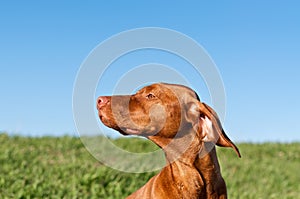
(208, 166)
(190, 151)
(183, 149)
(207, 163)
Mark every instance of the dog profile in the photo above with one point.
(187, 130)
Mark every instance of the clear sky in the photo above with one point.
(255, 45)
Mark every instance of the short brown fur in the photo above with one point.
(186, 129)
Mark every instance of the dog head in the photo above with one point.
(164, 111)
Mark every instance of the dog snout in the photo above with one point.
(102, 101)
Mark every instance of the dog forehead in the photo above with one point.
(177, 87)
(181, 91)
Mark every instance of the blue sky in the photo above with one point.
(255, 45)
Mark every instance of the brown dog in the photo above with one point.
(173, 117)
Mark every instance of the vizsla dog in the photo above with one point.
(187, 130)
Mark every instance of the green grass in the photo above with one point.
(50, 167)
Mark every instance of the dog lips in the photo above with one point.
(132, 131)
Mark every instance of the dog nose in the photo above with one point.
(102, 101)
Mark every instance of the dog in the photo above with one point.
(173, 117)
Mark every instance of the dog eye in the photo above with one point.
(150, 96)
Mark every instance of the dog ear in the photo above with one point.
(211, 128)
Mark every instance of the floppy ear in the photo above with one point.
(211, 128)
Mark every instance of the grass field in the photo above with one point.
(51, 167)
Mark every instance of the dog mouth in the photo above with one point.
(102, 116)
(124, 127)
